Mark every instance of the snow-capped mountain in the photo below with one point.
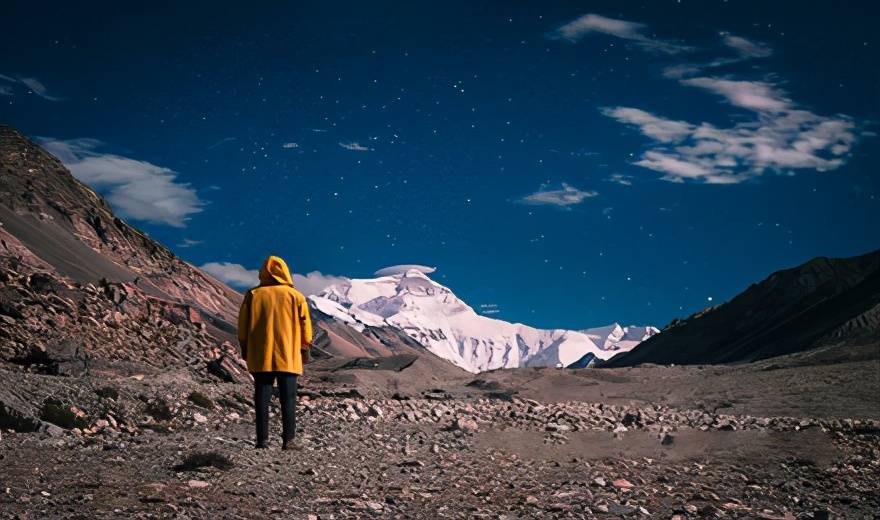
(432, 315)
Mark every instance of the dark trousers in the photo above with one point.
(263, 393)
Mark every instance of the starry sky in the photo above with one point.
(561, 164)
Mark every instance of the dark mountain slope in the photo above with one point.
(822, 302)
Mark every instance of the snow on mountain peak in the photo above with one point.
(406, 298)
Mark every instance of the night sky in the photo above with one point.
(571, 164)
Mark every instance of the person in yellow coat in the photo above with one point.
(275, 334)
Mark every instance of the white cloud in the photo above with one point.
(236, 275)
(663, 130)
(593, 23)
(187, 242)
(232, 274)
(290, 146)
(752, 95)
(354, 146)
(781, 138)
(33, 84)
(38, 88)
(563, 197)
(136, 189)
(775, 142)
(315, 282)
(746, 48)
(403, 268)
(619, 178)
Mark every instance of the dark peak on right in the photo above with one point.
(827, 305)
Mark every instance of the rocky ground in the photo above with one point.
(499, 445)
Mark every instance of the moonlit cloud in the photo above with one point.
(781, 138)
(575, 30)
(315, 282)
(187, 242)
(619, 178)
(38, 88)
(136, 189)
(354, 146)
(563, 197)
(33, 84)
(746, 48)
(403, 268)
(753, 95)
(778, 142)
(234, 275)
(663, 130)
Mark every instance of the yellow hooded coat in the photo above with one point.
(274, 321)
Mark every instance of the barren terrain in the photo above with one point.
(776, 439)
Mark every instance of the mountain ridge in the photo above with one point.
(824, 301)
(435, 317)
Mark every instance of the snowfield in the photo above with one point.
(432, 315)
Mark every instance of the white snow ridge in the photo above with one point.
(432, 315)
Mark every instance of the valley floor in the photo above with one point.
(646, 442)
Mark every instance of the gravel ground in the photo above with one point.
(181, 447)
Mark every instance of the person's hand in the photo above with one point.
(306, 357)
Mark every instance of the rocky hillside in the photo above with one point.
(826, 301)
(57, 222)
(81, 290)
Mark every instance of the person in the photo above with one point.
(275, 334)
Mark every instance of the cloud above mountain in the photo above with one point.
(136, 189)
(403, 268)
(234, 275)
(240, 277)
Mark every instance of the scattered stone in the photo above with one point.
(464, 424)
(622, 483)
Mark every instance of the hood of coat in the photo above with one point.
(275, 272)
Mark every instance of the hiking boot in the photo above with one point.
(292, 445)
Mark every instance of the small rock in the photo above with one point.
(622, 483)
(197, 484)
(465, 425)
